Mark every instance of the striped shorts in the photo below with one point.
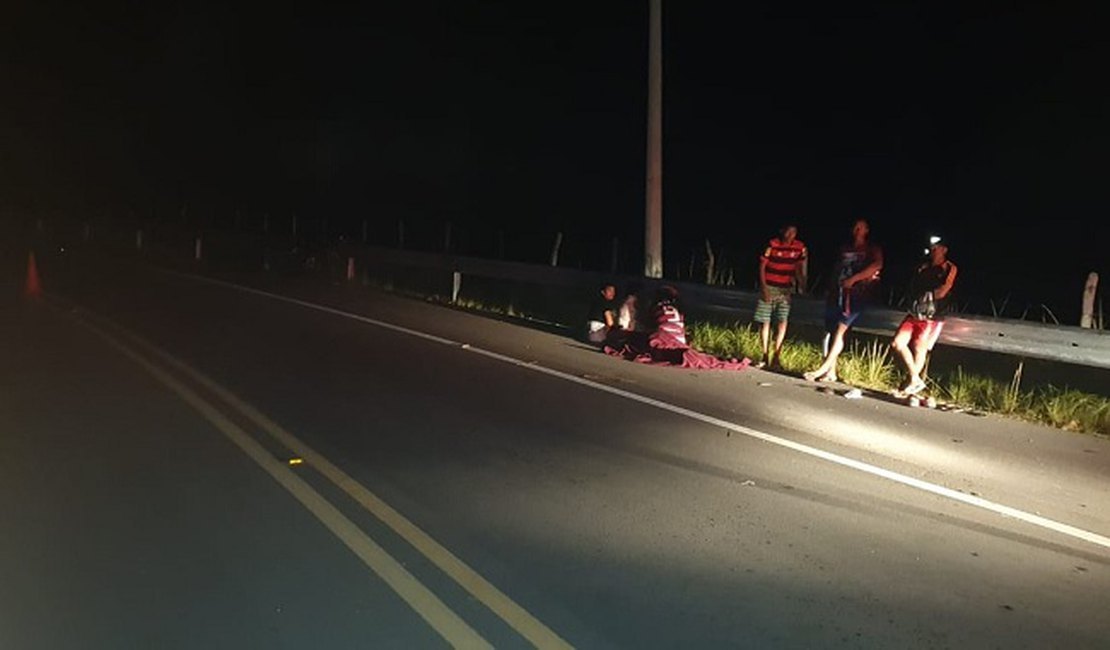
(775, 310)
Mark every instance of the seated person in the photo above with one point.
(665, 343)
(602, 316)
(628, 316)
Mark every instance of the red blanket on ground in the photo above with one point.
(666, 345)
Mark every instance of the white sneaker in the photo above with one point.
(915, 387)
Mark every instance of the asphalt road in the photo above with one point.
(604, 503)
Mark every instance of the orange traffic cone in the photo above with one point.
(34, 285)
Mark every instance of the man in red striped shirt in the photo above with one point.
(779, 270)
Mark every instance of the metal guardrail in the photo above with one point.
(1052, 342)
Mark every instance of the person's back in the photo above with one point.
(670, 327)
(629, 317)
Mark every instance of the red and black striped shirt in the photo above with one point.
(782, 262)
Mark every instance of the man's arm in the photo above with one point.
(763, 289)
(869, 271)
(949, 280)
(801, 272)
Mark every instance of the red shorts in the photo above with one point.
(914, 330)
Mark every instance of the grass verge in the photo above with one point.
(869, 365)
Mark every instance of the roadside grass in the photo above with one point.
(1074, 410)
(477, 305)
(869, 365)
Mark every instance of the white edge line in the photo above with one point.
(874, 470)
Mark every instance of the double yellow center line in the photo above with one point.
(433, 610)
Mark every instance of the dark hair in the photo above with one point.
(666, 293)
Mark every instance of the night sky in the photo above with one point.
(990, 128)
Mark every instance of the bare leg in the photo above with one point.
(920, 354)
(765, 340)
(907, 359)
(835, 348)
(780, 336)
(836, 345)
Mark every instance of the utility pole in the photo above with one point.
(653, 218)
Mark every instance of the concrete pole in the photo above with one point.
(653, 219)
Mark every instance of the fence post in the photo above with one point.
(710, 263)
(555, 249)
(456, 284)
(1089, 290)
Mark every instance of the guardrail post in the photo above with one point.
(555, 249)
(456, 284)
(1088, 318)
